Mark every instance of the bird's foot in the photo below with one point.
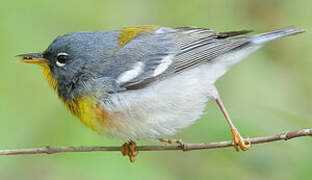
(238, 141)
(128, 149)
(175, 141)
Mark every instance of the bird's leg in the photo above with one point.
(171, 141)
(237, 138)
(128, 149)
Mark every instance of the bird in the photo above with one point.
(145, 82)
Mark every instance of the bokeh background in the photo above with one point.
(269, 92)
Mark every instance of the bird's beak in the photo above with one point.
(33, 58)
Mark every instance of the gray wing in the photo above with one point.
(168, 51)
(199, 45)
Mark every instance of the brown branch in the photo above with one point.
(187, 147)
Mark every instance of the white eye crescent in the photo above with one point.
(61, 59)
(60, 64)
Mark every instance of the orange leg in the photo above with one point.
(128, 149)
(237, 138)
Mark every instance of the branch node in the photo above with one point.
(49, 149)
(307, 132)
(182, 145)
(284, 136)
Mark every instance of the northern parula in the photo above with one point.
(145, 82)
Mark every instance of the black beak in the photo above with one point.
(33, 58)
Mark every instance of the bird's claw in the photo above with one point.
(238, 141)
(176, 141)
(128, 149)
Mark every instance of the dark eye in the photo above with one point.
(61, 59)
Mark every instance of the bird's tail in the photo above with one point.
(278, 33)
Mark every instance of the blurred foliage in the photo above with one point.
(267, 93)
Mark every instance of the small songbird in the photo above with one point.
(145, 82)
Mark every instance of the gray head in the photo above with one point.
(69, 56)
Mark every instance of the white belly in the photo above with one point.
(163, 107)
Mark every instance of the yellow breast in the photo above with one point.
(93, 115)
(85, 108)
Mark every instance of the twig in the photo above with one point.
(187, 147)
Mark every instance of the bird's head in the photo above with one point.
(70, 56)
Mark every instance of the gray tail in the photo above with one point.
(268, 36)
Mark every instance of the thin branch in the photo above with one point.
(187, 147)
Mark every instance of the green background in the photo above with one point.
(268, 93)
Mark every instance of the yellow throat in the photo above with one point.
(82, 107)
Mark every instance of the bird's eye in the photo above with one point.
(61, 59)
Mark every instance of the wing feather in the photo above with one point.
(188, 46)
